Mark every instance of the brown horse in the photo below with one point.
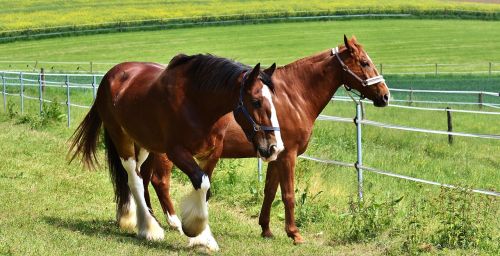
(303, 89)
(179, 111)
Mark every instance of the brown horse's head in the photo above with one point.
(256, 113)
(360, 73)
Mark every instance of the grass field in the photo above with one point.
(52, 208)
(19, 15)
(388, 42)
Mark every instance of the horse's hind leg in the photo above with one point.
(160, 179)
(148, 227)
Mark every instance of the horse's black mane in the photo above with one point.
(212, 73)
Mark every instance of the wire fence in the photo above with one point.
(485, 68)
(358, 121)
(21, 84)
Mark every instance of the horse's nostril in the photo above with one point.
(272, 149)
(386, 98)
(263, 152)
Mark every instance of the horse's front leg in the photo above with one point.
(194, 207)
(286, 177)
(272, 181)
(206, 238)
(280, 172)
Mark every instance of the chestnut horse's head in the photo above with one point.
(256, 114)
(359, 73)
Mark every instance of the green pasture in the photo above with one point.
(49, 207)
(470, 44)
(33, 15)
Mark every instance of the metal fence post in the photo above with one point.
(4, 91)
(22, 91)
(411, 96)
(381, 69)
(259, 168)
(359, 162)
(93, 87)
(436, 71)
(489, 70)
(450, 125)
(480, 100)
(40, 95)
(68, 99)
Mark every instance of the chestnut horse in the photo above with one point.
(303, 89)
(178, 111)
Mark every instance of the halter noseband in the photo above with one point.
(243, 109)
(364, 82)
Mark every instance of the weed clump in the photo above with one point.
(51, 113)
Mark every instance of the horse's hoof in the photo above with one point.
(153, 232)
(194, 229)
(174, 222)
(298, 240)
(128, 224)
(127, 220)
(267, 234)
(205, 239)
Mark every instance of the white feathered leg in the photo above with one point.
(147, 225)
(194, 211)
(206, 239)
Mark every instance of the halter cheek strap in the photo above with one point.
(243, 109)
(364, 82)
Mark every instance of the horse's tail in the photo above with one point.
(84, 140)
(117, 173)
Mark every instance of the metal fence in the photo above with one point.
(38, 82)
(358, 165)
(485, 68)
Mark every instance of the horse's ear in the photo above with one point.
(270, 70)
(347, 43)
(253, 74)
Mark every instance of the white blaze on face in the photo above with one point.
(274, 119)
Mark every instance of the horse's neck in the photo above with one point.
(215, 105)
(314, 80)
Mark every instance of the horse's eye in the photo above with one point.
(364, 64)
(256, 103)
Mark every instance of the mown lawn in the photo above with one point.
(389, 42)
(17, 15)
(50, 207)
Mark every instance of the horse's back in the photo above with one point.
(124, 97)
(134, 76)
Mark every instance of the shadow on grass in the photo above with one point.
(108, 230)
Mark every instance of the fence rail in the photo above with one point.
(360, 167)
(96, 67)
(66, 82)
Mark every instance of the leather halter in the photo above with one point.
(243, 109)
(364, 82)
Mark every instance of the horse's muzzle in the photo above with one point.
(382, 101)
(269, 154)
